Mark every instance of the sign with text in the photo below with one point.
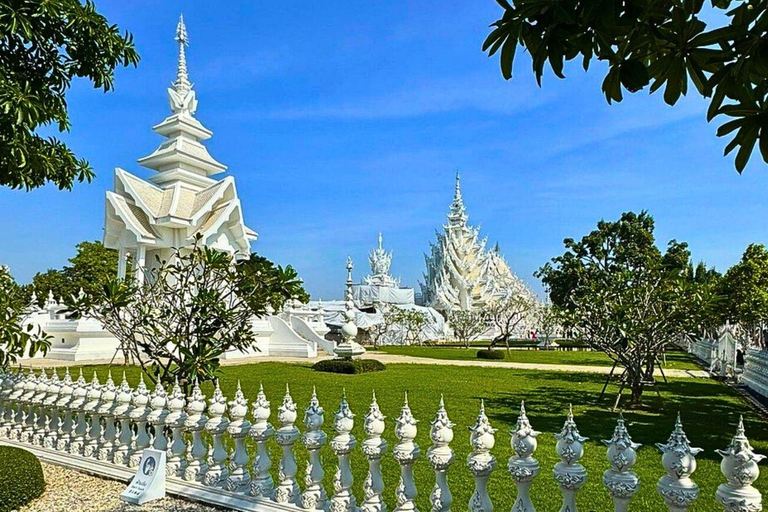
(149, 482)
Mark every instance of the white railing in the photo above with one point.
(103, 429)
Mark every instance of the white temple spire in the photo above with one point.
(182, 84)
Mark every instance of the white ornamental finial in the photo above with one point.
(181, 95)
(457, 188)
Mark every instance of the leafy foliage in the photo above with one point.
(21, 478)
(43, 46)
(16, 336)
(409, 322)
(663, 45)
(349, 366)
(467, 325)
(746, 288)
(490, 354)
(619, 294)
(92, 267)
(506, 314)
(183, 317)
(276, 284)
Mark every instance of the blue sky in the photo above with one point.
(340, 119)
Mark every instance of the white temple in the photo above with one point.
(460, 272)
(379, 287)
(147, 218)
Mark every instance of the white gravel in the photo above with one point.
(68, 490)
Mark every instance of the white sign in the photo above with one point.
(149, 482)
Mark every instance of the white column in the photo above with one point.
(122, 255)
(621, 482)
(679, 461)
(405, 453)
(342, 444)
(216, 426)
(286, 436)
(261, 431)
(374, 447)
(569, 474)
(314, 438)
(139, 263)
(440, 456)
(481, 463)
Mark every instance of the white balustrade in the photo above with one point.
(78, 422)
(481, 463)
(522, 466)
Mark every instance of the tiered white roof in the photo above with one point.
(460, 272)
(182, 200)
(380, 260)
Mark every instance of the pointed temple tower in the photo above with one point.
(460, 272)
(145, 218)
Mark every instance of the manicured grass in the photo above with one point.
(675, 359)
(709, 410)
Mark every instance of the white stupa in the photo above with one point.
(145, 218)
(460, 272)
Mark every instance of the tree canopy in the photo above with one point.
(277, 284)
(745, 286)
(663, 45)
(17, 338)
(620, 294)
(43, 47)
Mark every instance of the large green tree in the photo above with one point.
(279, 283)
(745, 287)
(660, 44)
(92, 267)
(16, 337)
(620, 294)
(44, 45)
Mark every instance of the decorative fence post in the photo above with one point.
(139, 414)
(238, 429)
(6, 392)
(30, 417)
(123, 410)
(176, 463)
(79, 394)
(440, 456)
(522, 466)
(679, 460)
(49, 436)
(481, 463)
(405, 453)
(739, 466)
(158, 403)
(216, 425)
(314, 438)
(107, 411)
(42, 411)
(91, 407)
(195, 424)
(64, 435)
(286, 436)
(261, 431)
(569, 474)
(621, 482)
(342, 444)
(19, 390)
(373, 448)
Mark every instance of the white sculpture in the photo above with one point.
(314, 438)
(481, 463)
(405, 453)
(380, 261)
(286, 435)
(522, 466)
(261, 431)
(569, 473)
(460, 272)
(679, 461)
(238, 429)
(349, 348)
(374, 447)
(739, 466)
(342, 444)
(216, 426)
(621, 482)
(440, 456)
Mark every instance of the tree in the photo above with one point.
(467, 325)
(410, 322)
(547, 321)
(278, 284)
(43, 46)
(92, 267)
(665, 44)
(619, 294)
(506, 314)
(16, 336)
(745, 286)
(186, 314)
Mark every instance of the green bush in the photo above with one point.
(21, 478)
(490, 354)
(350, 367)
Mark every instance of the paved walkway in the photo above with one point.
(396, 359)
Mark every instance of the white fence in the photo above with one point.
(103, 429)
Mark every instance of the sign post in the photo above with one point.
(149, 482)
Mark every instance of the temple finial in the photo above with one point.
(182, 84)
(381, 241)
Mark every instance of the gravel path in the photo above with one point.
(68, 490)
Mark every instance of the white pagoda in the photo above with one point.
(147, 218)
(379, 287)
(460, 272)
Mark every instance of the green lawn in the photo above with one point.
(710, 413)
(675, 359)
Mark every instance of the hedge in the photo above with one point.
(21, 478)
(350, 367)
(490, 354)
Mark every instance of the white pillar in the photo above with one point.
(139, 262)
(122, 255)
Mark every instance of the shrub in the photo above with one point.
(350, 367)
(490, 354)
(21, 478)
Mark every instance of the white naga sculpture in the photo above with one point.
(460, 272)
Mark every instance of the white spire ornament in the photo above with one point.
(349, 348)
(739, 466)
(181, 96)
